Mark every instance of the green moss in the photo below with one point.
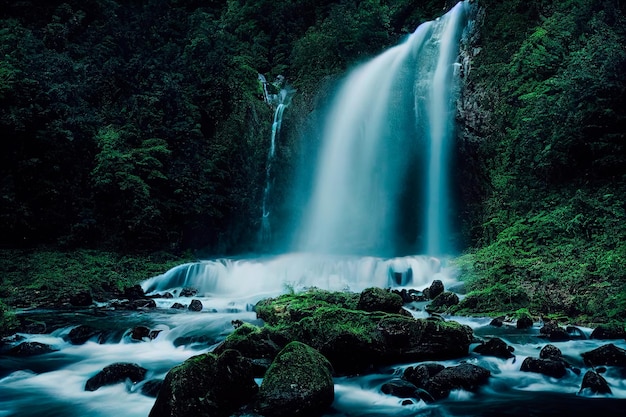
(294, 307)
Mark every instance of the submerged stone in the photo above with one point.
(113, 374)
(495, 347)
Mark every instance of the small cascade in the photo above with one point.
(283, 98)
(240, 279)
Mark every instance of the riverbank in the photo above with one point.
(44, 278)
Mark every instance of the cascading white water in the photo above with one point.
(390, 115)
(283, 98)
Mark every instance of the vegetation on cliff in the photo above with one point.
(546, 134)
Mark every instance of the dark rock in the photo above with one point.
(417, 295)
(196, 305)
(31, 349)
(420, 374)
(407, 402)
(153, 334)
(134, 293)
(404, 295)
(610, 355)
(188, 292)
(549, 367)
(206, 385)
(495, 347)
(442, 302)
(435, 289)
(81, 299)
(554, 332)
(575, 333)
(139, 332)
(550, 352)
(298, 383)
(252, 342)
(115, 373)
(81, 334)
(178, 306)
(377, 299)
(497, 322)
(151, 388)
(524, 323)
(400, 388)
(608, 332)
(595, 383)
(465, 376)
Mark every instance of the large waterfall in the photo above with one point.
(382, 174)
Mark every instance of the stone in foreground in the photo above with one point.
(298, 383)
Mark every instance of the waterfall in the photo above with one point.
(283, 99)
(384, 158)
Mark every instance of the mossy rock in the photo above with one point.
(378, 299)
(206, 386)
(294, 307)
(354, 341)
(298, 383)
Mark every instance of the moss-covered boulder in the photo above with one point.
(354, 341)
(206, 386)
(378, 299)
(442, 302)
(298, 383)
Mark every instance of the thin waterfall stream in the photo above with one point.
(283, 98)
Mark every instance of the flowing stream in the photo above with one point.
(53, 384)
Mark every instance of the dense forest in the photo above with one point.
(141, 126)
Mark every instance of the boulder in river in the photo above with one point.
(605, 355)
(594, 383)
(464, 376)
(298, 383)
(548, 367)
(420, 374)
(495, 347)
(81, 334)
(196, 305)
(553, 332)
(206, 385)
(31, 349)
(608, 332)
(115, 373)
(401, 388)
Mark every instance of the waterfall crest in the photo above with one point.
(389, 128)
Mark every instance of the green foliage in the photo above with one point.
(49, 277)
(8, 321)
